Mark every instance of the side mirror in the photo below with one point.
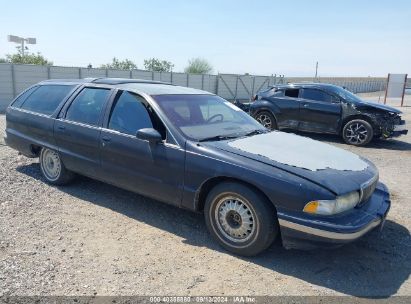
(149, 134)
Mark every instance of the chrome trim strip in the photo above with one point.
(329, 234)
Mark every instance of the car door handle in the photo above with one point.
(61, 128)
(105, 141)
(305, 105)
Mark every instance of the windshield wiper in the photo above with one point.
(255, 132)
(217, 137)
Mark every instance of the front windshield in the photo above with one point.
(345, 94)
(200, 117)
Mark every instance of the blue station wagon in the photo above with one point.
(197, 151)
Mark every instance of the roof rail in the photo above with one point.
(126, 80)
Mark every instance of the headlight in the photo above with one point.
(330, 207)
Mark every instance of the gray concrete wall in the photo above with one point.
(14, 78)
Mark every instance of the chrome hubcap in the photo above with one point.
(234, 219)
(356, 133)
(51, 164)
(265, 120)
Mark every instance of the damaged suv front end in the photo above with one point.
(391, 125)
(385, 120)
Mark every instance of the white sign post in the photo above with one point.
(396, 87)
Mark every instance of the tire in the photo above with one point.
(357, 132)
(267, 119)
(245, 233)
(53, 169)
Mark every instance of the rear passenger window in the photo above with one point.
(291, 93)
(19, 101)
(88, 105)
(131, 113)
(46, 98)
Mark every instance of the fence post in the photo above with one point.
(236, 87)
(171, 77)
(188, 75)
(253, 87)
(79, 73)
(13, 81)
(217, 83)
(48, 72)
(152, 75)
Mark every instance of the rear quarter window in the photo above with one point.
(46, 98)
(19, 100)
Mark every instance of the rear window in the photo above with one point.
(46, 98)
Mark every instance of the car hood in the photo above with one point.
(335, 169)
(379, 106)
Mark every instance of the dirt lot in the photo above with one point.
(91, 238)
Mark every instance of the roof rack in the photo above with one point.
(125, 80)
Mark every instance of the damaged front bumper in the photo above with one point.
(400, 129)
(394, 128)
(303, 231)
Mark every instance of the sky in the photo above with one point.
(346, 37)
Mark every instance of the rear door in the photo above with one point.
(320, 111)
(154, 170)
(287, 105)
(77, 130)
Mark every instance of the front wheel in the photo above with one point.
(357, 132)
(53, 168)
(240, 219)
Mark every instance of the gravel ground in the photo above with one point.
(90, 238)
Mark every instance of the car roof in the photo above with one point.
(150, 87)
(304, 85)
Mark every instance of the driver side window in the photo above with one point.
(318, 95)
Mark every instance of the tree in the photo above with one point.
(27, 58)
(198, 66)
(157, 65)
(116, 64)
(2, 60)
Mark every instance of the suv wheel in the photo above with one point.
(266, 119)
(53, 168)
(357, 132)
(240, 219)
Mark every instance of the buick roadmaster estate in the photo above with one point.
(197, 151)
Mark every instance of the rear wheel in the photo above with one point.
(267, 120)
(357, 132)
(240, 219)
(53, 168)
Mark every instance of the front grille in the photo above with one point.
(367, 189)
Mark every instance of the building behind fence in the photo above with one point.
(14, 78)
